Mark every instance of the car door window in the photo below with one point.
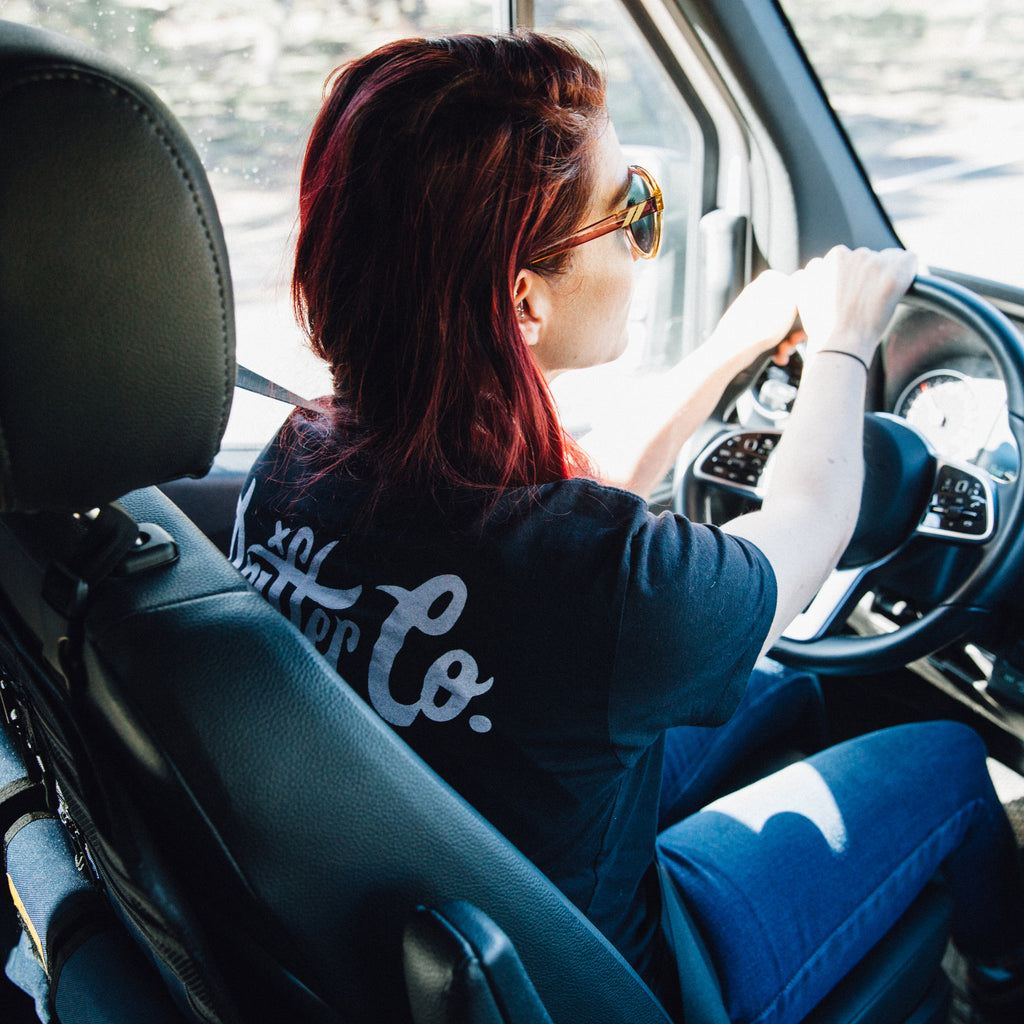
(659, 131)
(931, 93)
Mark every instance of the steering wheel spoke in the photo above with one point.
(962, 506)
(736, 461)
(831, 605)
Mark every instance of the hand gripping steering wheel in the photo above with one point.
(909, 492)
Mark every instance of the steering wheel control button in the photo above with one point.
(961, 506)
(737, 461)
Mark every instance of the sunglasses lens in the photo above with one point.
(644, 230)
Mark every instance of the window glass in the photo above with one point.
(931, 92)
(658, 131)
(245, 78)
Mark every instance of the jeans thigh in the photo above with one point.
(793, 879)
(779, 705)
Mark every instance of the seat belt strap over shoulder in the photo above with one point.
(249, 380)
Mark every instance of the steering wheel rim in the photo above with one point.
(971, 600)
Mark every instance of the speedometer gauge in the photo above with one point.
(964, 418)
(942, 405)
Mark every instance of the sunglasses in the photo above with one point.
(641, 220)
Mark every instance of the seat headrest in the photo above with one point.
(117, 339)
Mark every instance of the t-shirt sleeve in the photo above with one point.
(697, 606)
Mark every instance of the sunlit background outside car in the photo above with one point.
(931, 93)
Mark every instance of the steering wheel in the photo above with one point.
(909, 492)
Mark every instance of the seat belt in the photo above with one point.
(249, 380)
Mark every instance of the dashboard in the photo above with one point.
(938, 376)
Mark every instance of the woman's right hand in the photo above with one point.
(847, 298)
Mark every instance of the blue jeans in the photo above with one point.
(793, 879)
(780, 707)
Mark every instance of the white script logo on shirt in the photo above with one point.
(290, 559)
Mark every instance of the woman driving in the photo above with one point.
(469, 229)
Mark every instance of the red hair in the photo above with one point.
(435, 169)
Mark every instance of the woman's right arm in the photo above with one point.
(813, 498)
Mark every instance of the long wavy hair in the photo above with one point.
(435, 169)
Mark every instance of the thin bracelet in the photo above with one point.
(842, 352)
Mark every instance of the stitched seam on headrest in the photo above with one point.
(121, 93)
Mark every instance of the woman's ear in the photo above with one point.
(529, 301)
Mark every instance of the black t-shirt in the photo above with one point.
(534, 660)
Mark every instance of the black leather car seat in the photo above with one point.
(261, 834)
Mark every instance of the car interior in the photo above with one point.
(202, 822)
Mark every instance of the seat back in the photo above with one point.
(262, 833)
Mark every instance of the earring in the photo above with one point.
(521, 311)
